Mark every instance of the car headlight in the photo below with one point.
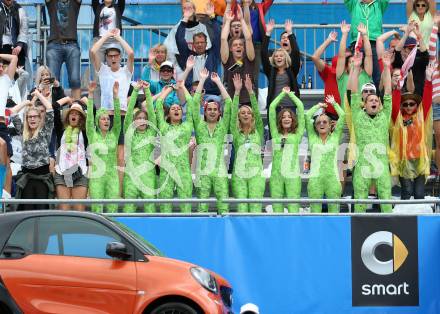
(203, 277)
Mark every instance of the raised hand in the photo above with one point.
(139, 84)
(437, 19)
(190, 62)
(229, 16)
(330, 99)
(432, 66)
(204, 74)
(270, 26)
(239, 14)
(210, 9)
(188, 11)
(238, 83)
(215, 78)
(362, 29)
(286, 89)
(92, 87)
(115, 89)
(333, 36)
(323, 105)
(248, 83)
(345, 28)
(115, 32)
(145, 84)
(288, 25)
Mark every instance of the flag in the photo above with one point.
(359, 43)
(407, 65)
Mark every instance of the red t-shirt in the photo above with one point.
(328, 75)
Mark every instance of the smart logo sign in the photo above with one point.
(384, 253)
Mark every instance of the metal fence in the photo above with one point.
(433, 202)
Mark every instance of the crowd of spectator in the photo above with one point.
(143, 139)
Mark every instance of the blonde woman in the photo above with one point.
(247, 129)
(422, 12)
(157, 55)
(34, 180)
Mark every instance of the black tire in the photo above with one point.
(4, 309)
(174, 308)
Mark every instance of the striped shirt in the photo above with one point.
(433, 58)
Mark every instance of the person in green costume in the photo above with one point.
(371, 121)
(175, 135)
(287, 131)
(140, 129)
(247, 131)
(211, 171)
(323, 145)
(103, 143)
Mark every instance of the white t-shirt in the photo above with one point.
(5, 84)
(107, 78)
(107, 20)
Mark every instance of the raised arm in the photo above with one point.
(368, 60)
(250, 52)
(203, 75)
(12, 67)
(149, 104)
(380, 42)
(409, 8)
(216, 79)
(432, 7)
(316, 57)
(295, 55)
(265, 47)
(90, 120)
(116, 129)
(224, 45)
(128, 50)
(254, 104)
(340, 67)
(94, 51)
(299, 113)
(341, 115)
(407, 30)
(386, 74)
(309, 118)
(427, 89)
(433, 39)
(238, 85)
(273, 113)
(161, 123)
(130, 108)
(353, 77)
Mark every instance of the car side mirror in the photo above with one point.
(12, 251)
(117, 250)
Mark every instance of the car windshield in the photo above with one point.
(149, 248)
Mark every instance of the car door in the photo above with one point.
(66, 269)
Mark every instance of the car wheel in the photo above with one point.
(4, 309)
(174, 308)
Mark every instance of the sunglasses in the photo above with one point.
(369, 91)
(421, 5)
(408, 104)
(283, 142)
(166, 70)
(323, 122)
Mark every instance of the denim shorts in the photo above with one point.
(436, 112)
(69, 53)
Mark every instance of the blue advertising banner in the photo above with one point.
(311, 264)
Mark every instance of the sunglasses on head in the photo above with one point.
(408, 104)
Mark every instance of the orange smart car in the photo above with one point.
(82, 263)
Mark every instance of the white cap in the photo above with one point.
(167, 64)
(249, 307)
